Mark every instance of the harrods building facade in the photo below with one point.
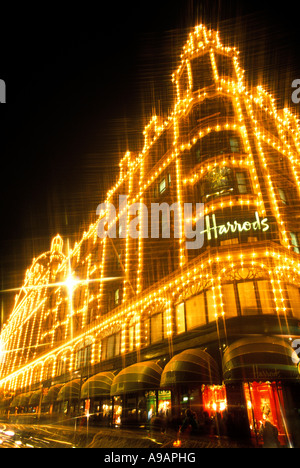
(128, 327)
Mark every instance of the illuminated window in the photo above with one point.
(229, 301)
(117, 344)
(132, 332)
(156, 328)
(117, 296)
(183, 83)
(265, 296)
(264, 401)
(282, 195)
(225, 66)
(195, 311)
(234, 145)
(180, 318)
(62, 366)
(110, 346)
(82, 358)
(231, 241)
(110, 350)
(210, 301)
(162, 185)
(241, 182)
(202, 73)
(295, 242)
(218, 182)
(247, 298)
(294, 298)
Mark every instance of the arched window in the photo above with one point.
(83, 354)
(196, 311)
(202, 73)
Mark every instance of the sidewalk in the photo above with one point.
(121, 438)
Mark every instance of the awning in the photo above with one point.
(70, 391)
(142, 376)
(15, 401)
(5, 402)
(259, 358)
(35, 398)
(191, 367)
(51, 396)
(98, 385)
(24, 399)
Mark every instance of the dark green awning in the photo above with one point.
(191, 367)
(24, 399)
(35, 398)
(70, 391)
(98, 385)
(259, 358)
(138, 377)
(15, 401)
(52, 394)
(5, 402)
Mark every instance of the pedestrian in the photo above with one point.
(270, 435)
(189, 424)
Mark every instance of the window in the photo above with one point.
(282, 196)
(247, 298)
(117, 344)
(234, 145)
(156, 328)
(265, 296)
(117, 296)
(218, 182)
(62, 366)
(183, 83)
(82, 358)
(225, 66)
(229, 302)
(110, 351)
(180, 318)
(231, 241)
(202, 73)
(216, 143)
(294, 298)
(48, 370)
(211, 310)
(132, 336)
(162, 185)
(222, 181)
(110, 346)
(195, 311)
(295, 242)
(241, 180)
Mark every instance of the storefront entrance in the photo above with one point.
(265, 403)
(214, 399)
(158, 402)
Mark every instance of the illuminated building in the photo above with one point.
(145, 325)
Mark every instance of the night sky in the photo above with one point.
(82, 82)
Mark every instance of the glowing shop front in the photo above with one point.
(262, 368)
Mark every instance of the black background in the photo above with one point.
(82, 82)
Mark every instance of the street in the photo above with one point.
(63, 436)
(30, 436)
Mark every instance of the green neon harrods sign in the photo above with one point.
(214, 230)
